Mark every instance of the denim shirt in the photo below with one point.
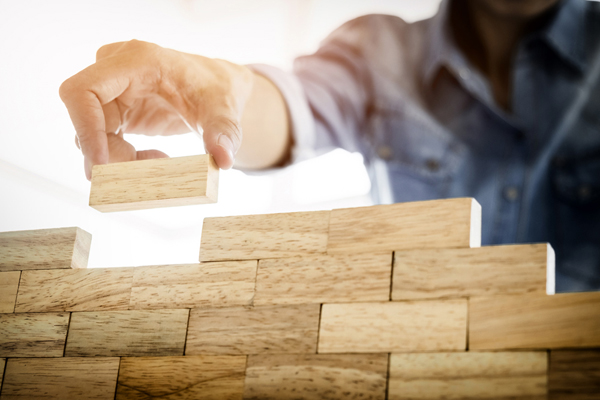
(428, 127)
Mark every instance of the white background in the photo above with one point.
(42, 184)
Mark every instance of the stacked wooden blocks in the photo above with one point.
(395, 301)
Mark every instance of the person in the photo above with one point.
(493, 99)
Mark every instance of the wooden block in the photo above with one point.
(430, 224)
(331, 376)
(44, 249)
(195, 377)
(436, 273)
(574, 375)
(430, 325)
(2, 363)
(60, 378)
(163, 182)
(534, 321)
(324, 278)
(9, 284)
(264, 329)
(127, 333)
(468, 375)
(252, 237)
(75, 290)
(33, 335)
(218, 284)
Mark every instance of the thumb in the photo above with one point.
(222, 139)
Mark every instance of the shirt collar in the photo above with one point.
(565, 35)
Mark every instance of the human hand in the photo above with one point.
(140, 87)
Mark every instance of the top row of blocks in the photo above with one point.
(453, 223)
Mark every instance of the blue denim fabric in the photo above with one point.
(426, 122)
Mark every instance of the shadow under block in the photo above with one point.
(2, 364)
(92, 289)
(44, 249)
(430, 325)
(163, 182)
(312, 376)
(574, 375)
(483, 271)
(9, 284)
(127, 333)
(190, 377)
(324, 279)
(256, 330)
(468, 375)
(429, 224)
(219, 284)
(33, 335)
(252, 237)
(534, 321)
(60, 378)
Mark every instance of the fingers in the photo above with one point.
(109, 49)
(222, 138)
(150, 154)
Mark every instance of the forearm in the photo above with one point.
(265, 127)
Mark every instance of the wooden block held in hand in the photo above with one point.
(219, 284)
(534, 321)
(468, 375)
(92, 289)
(60, 378)
(574, 374)
(316, 376)
(252, 237)
(33, 335)
(324, 278)
(162, 182)
(127, 333)
(44, 249)
(430, 325)
(256, 330)
(9, 283)
(451, 223)
(190, 377)
(436, 273)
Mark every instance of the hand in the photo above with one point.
(139, 87)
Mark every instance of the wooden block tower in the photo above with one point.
(384, 302)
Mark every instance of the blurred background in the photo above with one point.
(42, 183)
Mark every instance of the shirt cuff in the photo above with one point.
(302, 124)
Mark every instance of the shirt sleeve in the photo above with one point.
(327, 95)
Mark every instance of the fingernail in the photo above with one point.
(226, 143)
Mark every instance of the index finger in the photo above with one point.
(84, 94)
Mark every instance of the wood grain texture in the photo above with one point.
(2, 364)
(252, 237)
(44, 249)
(324, 278)
(468, 375)
(33, 335)
(451, 223)
(75, 290)
(534, 321)
(430, 325)
(330, 377)
(9, 284)
(219, 284)
(437, 273)
(190, 377)
(127, 333)
(256, 330)
(574, 375)
(60, 378)
(163, 182)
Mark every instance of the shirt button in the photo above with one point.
(511, 193)
(385, 152)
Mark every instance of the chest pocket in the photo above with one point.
(421, 156)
